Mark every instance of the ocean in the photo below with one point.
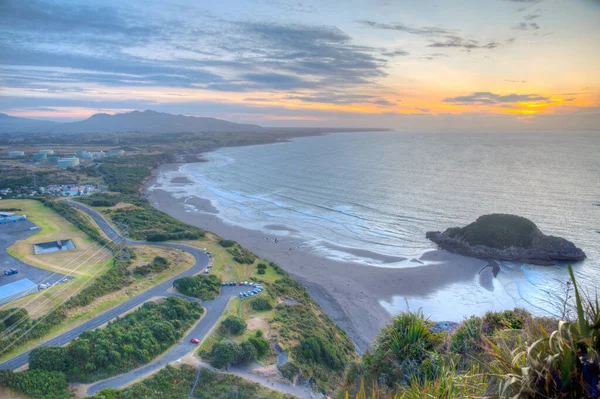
(370, 197)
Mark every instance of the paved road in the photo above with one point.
(214, 307)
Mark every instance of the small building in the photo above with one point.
(68, 163)
(53, 159)
(16, 154)
(81, 153)
(99, 154)
(18, 289)
(87, 155)
(40, 157)
(116, 153)
(47, 152)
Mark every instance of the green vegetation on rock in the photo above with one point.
(497, 231)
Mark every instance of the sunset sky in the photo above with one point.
(407, 64)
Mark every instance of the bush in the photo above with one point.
(248, 352)
(123, 345)
(203, 287)
(467, 338)
(159, 264)
(235, 325)
(289, 370)
(37, 384)
(226, 243)
(260, 344)
(225, 354)
(261, 304)
(261, 271)
(261, 266)
(242, 255)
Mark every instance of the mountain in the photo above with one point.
(13, 124)
(136, 121)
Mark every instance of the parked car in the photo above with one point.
(10, 272)
(241, 295)
(194, 341)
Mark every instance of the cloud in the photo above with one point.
(515, 81)
(526, 26)
(534, 15)
(425, 31)
(486, 97)
(74, 20)
(444, 38)
(395, 53)
(433, 56)
(343, 99)
(459, 42)
(113, 46)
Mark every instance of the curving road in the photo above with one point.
(213, 309)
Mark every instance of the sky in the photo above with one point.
(403, 64)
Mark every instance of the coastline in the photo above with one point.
(350, 293)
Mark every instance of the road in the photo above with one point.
(214, 308)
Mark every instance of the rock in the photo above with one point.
(506, 237)
(444, 326)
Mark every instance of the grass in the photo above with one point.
(54, 227)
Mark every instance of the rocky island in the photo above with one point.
(506, 237)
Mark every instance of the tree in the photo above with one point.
(224, 354)
(262, 345)
(248, 353)
(50, 358)
(235, 325)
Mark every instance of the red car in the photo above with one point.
(194, 341)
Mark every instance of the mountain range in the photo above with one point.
(135, 121)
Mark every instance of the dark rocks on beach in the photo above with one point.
(506, 237)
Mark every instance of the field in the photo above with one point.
(87, 259)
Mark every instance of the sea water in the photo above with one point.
(370, 197)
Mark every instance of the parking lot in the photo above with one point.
(9, 233)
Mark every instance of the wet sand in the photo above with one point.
(350, 293)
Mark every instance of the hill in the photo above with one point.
(135, 121)
(10, 124)
(506, 237)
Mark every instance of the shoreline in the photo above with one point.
(349, 292)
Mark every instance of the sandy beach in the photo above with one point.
(350, 293)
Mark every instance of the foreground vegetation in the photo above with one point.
(507, 354)
(123, 344)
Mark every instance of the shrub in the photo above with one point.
(248, 352)
(261, 266)
(123, 345)
(226, 243)
(235, 325)
(261, 271)
(159, 264)
(262, 345)
(289, 370)
(203, 287)
(261, 304)
(467, 338)
(225, 354)
(38, 384)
